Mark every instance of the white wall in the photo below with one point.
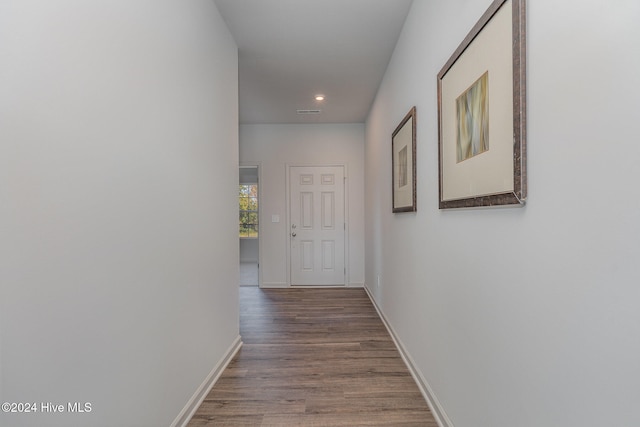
(249, 250)
(275, 146)
(118, 181)
(521, 316)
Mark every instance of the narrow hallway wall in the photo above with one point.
(118, 212)
(520, 316)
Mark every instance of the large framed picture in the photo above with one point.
(482, 113)
(403, 145)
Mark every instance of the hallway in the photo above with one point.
(313, 357)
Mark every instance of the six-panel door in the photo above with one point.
(317, 225)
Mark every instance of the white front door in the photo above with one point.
(317, 225)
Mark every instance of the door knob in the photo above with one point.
(293, 234)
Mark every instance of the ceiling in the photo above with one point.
(291, 50)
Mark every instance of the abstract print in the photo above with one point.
(473, 120)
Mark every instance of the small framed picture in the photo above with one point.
(403, 144)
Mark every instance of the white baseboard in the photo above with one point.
(286, 285)
(274, 285)
(194, 403)
(436, 409)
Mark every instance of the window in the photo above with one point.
(248, 197)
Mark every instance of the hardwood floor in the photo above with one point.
(313, 357)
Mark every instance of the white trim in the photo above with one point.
(345, 189)
(317, 286)
(194, 403)
(436, 408)
(287, 203)
(274, 285)
(260, 213)
(355, 285)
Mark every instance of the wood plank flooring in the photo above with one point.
(313, 357)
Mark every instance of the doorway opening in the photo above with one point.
(249, 225)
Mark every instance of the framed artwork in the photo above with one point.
(482, 113)
(403, 147)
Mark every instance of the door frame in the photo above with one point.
(257, 165)
(288, 167)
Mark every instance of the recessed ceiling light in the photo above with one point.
(319, 97)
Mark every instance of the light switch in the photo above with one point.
(275, 218)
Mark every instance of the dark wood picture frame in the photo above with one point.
(403, 160)
(468, 177)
